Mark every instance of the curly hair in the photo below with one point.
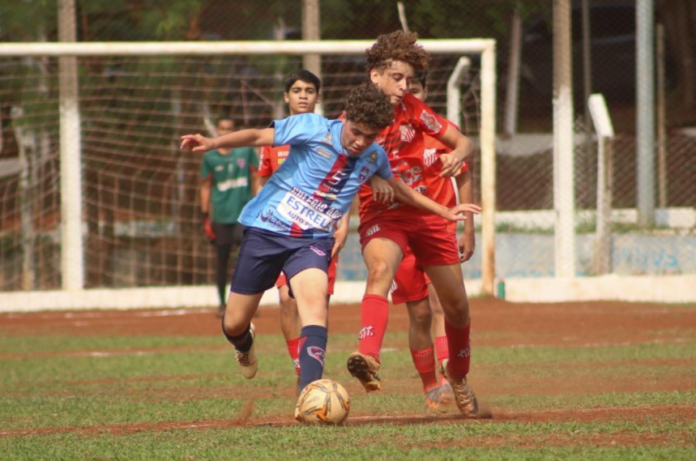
(397, 46)
(369, 105)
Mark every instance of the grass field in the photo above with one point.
(563, 381)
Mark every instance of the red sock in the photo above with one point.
(425, 365)
(458, 342)
(442, 351)
(293, 350)
(374, 316)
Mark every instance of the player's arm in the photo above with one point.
(206, 185)
(255, 181)
(467, 242)
(408, 196)
(381, 190)
(242, 138)
(462, 149)
(341, 234)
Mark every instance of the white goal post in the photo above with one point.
(74, 295)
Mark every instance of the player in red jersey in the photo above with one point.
(386, 231)
(301, 95)
(412, 285)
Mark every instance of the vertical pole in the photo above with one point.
(488, 167)
(563, 178)
(605, 133)
(661, 119)
(311, 30)
(72, 251)
(587, 91)
(513, 77)
(645, 120)
(602, 253)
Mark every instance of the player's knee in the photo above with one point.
(422, 318)
(419, 313)
(380, 272)
(232, 326)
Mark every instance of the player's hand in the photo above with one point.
(456, 213)
(196, 143)
(340, 238)
(208, 228)
(467, 244)
(381, 190)
(451, 165)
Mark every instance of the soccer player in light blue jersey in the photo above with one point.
(290, 224)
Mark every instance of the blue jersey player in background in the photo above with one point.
(290, 224)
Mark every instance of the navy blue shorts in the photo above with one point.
(263, 255)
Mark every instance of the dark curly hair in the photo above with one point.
(369, 105)
(397, 46)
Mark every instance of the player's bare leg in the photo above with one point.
(238, 329)
(449, 284)
(421, 345)
(382, 258)
(290, 324)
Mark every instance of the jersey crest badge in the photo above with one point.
(407, 133)
(364, 174)
(328, 139)
(429, 157)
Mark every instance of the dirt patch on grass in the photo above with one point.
(495, 323)
(639, 415)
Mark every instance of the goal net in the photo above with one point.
(130, 234)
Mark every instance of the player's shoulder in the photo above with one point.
(376, 154)
(310, 118)
(412, 103)
(211, 155)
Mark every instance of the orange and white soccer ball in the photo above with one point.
(323, 402)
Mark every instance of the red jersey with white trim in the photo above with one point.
(404, 143)
(271, 159)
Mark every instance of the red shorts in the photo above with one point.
(411, 282)
(432, 240)
(282, 281)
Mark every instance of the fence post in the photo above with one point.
(72, 251)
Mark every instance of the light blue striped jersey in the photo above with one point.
(315, 185)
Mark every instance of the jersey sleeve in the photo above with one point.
(425, 118)
(441, 148)
(265, 169)
(384, 170)
(206, 168)
(298, 129)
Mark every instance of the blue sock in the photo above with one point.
(312, 348)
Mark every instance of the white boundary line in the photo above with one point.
(662, 289)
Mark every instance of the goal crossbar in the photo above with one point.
(285, 47)
(71, 223)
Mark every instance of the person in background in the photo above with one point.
(229, 179)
